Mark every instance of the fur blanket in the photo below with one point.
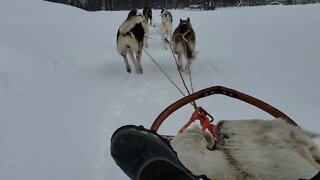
(250, 149)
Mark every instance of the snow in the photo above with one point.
(64, 89)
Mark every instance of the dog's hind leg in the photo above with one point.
(165, 43)
(188, 65)
(135, 62)
(168, 39)
(145, 26)
(131, 55)
(164, 39)
(180, 65)
(169, 35)
(127, 63)
(146, 41)
(139, 67)
(163, 35)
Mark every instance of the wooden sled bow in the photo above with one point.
(223, 91)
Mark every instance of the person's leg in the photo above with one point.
(143, 154)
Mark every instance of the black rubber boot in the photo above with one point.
(145, 155)
(316, 177)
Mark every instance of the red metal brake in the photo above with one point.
(205, 122)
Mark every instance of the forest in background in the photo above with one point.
(109, 5)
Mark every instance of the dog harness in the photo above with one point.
(184, 34)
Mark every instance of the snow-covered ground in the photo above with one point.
(64, 89)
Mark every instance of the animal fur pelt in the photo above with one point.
(184, 42)
(250, 149)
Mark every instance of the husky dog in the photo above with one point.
(184, 42)
(130, 40)
(250, 149)
(147, 13)
(165, 27)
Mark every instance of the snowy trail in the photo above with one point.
(64, 89)
(208, 69)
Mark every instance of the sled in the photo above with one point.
(204, 117)
(144, 154)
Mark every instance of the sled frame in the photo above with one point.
(223, 91)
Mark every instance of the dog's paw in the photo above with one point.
(188, 69)
(139, 70)
(128, 69)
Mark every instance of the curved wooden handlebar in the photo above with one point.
(224, 91)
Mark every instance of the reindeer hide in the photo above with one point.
(250, 149)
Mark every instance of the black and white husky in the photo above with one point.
(130, 38)
(147, 13)
(165, 27)
(184, 42)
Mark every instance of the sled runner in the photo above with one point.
(143, 154)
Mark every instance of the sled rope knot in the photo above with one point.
(205, 122)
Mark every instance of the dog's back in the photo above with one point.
(184, 39)
(131, 27)
(138, 32)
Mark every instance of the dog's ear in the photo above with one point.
(180, 20)
(188, 19)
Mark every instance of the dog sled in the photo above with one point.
(248, 149)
